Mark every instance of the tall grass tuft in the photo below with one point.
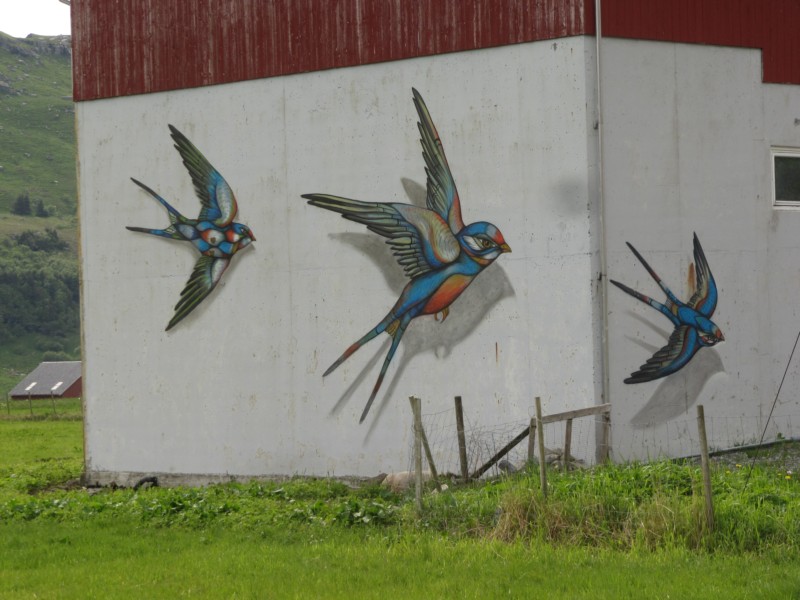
(632, 507)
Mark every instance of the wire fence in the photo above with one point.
(41, 408)
(678, 438)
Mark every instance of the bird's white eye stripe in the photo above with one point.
(472, 243)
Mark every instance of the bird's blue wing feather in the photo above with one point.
(420, 240)
(682, 346)
(207, 272)
(442, 193)
(704, 299)
(216, 196)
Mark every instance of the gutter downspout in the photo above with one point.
(605, 432)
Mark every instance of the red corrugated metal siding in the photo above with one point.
(74, 391)
(123, 47)
(773, 26)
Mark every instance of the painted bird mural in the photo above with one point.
(213, 233)
(440, 254)
(692, 320)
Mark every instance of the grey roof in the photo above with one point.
(49, 378)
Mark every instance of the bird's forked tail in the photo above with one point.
(174, 215)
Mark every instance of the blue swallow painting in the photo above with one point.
(692, 320)
(440, 254)
(213, 233)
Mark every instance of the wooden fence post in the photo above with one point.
(531, 441)
(567, 445)
(530, 433)
(605, 438)
(542, 472)
(417, 410)
(704, 464)
(462, 441)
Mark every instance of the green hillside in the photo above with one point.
(39, 302)
(37, 122)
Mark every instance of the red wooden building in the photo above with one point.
(51, 380)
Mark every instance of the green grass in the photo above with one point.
(614, 532)
(120, 560)
(25, 443)
(70, 409)
(37, 454)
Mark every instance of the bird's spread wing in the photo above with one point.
(420, 239)
(704, 299)
(442, 193)
(216, 196)
(682, 346)
(206, 274)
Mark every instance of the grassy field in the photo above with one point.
(66, 226)
(69, 409)
(120, 560)
(613, 532)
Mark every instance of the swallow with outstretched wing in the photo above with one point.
(214, 233)
(440, 254)
(692, 320)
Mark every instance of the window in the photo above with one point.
(786, 177)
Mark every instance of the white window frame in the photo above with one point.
(775, 152)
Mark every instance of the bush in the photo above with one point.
(40, 210)
(54, 356)
(39, 291)
(50, 345)
(41, 241)
(22, 205)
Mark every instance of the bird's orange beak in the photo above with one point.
(505, 248)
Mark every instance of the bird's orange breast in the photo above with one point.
(446, 294)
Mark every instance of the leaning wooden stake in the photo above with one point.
(499, 454)
(462, 440)
(542, 472)
(701, 429)
(417, 410)
(428, 453)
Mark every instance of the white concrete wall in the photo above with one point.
(687, 132)
(236, 389)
